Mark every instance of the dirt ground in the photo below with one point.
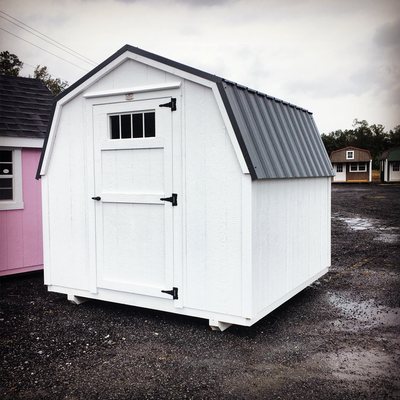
(337, 339)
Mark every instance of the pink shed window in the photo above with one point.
(10, 179)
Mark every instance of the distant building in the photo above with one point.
(352, 164)
(25, 106)
(390, 165)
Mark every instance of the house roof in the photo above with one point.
(277, 139)
(25, 107)
(392, 154)
(359, 155)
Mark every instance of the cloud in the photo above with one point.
(388, 35)
(322, 55)
(188, 3)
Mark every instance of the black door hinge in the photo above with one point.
(173, 293)
(171, 104)
(173, 199)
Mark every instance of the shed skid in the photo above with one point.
(172, 203)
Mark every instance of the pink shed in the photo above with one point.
(25, 106)
(21, 243)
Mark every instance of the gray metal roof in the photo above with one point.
(277, 139)
(282, 140)
(392, 154)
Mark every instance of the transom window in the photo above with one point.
(6, 175)
(339, 167)
(358, 167)
(133, 125)
(349, 155)
(396, 166)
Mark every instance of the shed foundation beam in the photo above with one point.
(218, 325)
(76, 299)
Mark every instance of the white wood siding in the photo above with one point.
(240, 246)
(393, 175)
(213, 192)
(67, 202)
(207, 178)
(291, 236)
(131, 73)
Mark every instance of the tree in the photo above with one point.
(395, 136)
(10, 64)
(55, 85)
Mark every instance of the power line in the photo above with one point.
(41, 48)
(62, 47)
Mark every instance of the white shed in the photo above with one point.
(169, 188)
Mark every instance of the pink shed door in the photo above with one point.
(133, 171)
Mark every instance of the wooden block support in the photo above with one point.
(218, 325)
(75, 299)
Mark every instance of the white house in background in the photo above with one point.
(169, 188)
(390, 165)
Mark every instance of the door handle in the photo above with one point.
(97, 198)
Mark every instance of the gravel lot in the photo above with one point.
(338, 339)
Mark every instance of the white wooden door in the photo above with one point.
(133, 171)
(340, 172)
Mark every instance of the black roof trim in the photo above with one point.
(236, 129)
(144, 53)
(46, 139)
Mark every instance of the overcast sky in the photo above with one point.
(338, 59)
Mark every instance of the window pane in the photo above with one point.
(6, 194)
(114, 126)
(6, 183)
(6, 169)
(149, 124)
(362, 167)
(137, 125)
(6, 155)
(126, 126)
(353, 167)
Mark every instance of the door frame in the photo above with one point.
(177, 184)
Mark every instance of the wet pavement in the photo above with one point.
(337, 339)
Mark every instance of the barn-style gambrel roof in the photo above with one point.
(277, 139)
(25, 107)
(339, 155)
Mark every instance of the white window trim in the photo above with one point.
(358, 167)
(348, 154)
(17, 203)
(11, 141)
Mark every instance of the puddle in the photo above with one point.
(383, 233)
(366, 313)
(358, 364)
(388, 237)
(357, 224)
